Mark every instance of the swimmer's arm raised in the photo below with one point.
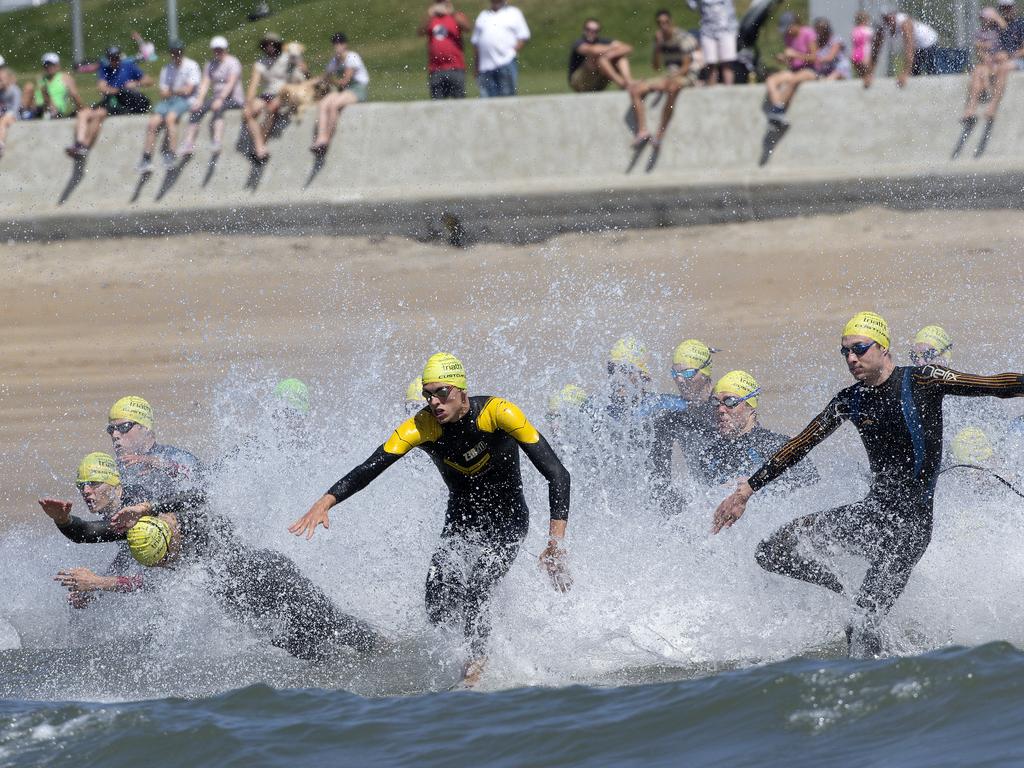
(76, 529)
(952, 382)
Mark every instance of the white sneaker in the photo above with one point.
(144, 166)
(214, 147)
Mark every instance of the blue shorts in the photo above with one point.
(177, 105)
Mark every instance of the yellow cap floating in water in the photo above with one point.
(414, 392)
(630, 352)
(693, 354)
(132, 408)
(98, 467)
(294, 394)
(971, 446)
(444, 368)
(149, 539)
(936, 338)
(738, 383)
(569, 397)
(871, 325)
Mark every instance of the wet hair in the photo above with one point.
(338, 38)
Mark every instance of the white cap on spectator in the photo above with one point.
(219, 42)
(2, 62)
(50, 58)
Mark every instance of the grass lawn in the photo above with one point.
(384, 35)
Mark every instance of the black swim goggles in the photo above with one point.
(441, 393)
(732, 401)
(123, 428)
(859, 349)
(923, 358)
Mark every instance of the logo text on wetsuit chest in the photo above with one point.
(475, 451)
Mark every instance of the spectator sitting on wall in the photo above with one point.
(498, 36)
(219, 90)
(10, 101)
(118, 80)
(863, 34)
(718, 33)
(799, 54)
(56, 94)
(674, 49)
(27, 111)
(179, 82)
(263, 102)
(1011, 40)
(347, 72)
(446, 62)
(989, 75)
(920, 43)
(596, 61)
(830, 60)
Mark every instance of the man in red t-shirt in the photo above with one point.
(446, 63)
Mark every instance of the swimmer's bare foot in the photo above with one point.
(472, 672)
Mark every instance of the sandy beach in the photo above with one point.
(175, 319)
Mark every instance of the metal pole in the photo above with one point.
(172, 20)
(77, 42)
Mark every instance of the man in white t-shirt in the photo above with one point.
(346, 72)
(919, 40)
(220, 90)
(179, 82)
(500, 33)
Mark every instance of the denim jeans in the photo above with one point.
(502, 81)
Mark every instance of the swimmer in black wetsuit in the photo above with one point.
(898, 413)
(474, 442)
(254, 584)
(740, 444)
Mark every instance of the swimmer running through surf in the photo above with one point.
(898, 413)
(474, 442)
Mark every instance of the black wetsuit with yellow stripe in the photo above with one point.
(900, 424)
(478, 457)
(487, 516)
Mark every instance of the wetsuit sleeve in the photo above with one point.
(544, 458)
(659, 463)
(951, 382)
(507, 416)
(90, 532)
(823, 425)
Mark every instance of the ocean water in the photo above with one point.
(673, 648)
(954, 707)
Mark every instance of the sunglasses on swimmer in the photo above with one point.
(732, 401)
(858, 349)
(123, 428)
(441, 393)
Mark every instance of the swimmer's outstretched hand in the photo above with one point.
(732, 507)
(57, 510)
(126, 517)
(317, 515)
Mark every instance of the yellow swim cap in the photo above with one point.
(630, 352)
(149, 539)
(414, 393)
(738, 383)
(294, 394)
(444, 368)
(693, 354)
(132, 408)
(569, 397)
(936, 338)
(871, 325)
(98, 467)
(971, 446)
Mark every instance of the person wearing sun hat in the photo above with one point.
(897, 412)
(474, 442)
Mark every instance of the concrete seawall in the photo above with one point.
(526, 168)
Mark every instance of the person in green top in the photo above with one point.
(56, 93)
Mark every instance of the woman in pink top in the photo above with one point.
(800, 53)
(862, 36)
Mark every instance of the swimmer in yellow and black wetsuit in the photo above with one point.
(898, 413)
(474, 442)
